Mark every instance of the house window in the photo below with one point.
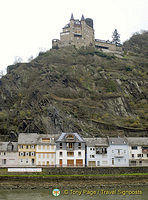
(4, 161)
(43, 147)
(139, 155)
(32, 146)
(21, 147)
(118, 151)
(79, 146)
(79, 153)
(124, 151)
(132, 155)
(21, 153)
(134, 147)
(61, 153)
(32, 153)
(27, 153)
(98, 163)
(147, 155)
(26, 161)
(26, 146)
(60, 145)
(39, 147)
(92, 156)
(4, 153)
(21, 160)
(90, 149)
(70, 154)
(118, 160)
(112, 151)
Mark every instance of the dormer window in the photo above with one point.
(46, 140)
(79, 146)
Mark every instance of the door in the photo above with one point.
(79, 162)
(32, 161)
(47, 162)
(92, 163)
(70, 162)
(113, 161)
(60, 162)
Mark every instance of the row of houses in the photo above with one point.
(70, 149)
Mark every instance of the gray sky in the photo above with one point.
(28, 26)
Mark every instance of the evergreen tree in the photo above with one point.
(116, 37)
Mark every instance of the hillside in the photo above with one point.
(77, 90)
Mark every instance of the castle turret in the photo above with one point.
(72, 18)
(82, 18)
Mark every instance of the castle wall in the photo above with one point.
(107, 46)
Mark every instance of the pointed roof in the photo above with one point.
(72, 18)
(82, 18)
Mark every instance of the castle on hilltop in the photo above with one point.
(81, 33)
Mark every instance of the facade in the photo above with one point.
(70, 150)
(96, 152)
(46, 150)
(81, 33)
(138, 151)
(27, 149)
(8, 154)
(118, 152)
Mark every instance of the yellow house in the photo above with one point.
(27, 149)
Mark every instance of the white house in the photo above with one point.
(138, 151)
(8, 154)
(96, 152)
(118, 152)
(70, 150)
(46, 150)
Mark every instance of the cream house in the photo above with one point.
(46, 150)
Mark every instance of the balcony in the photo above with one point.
(119, 155)
(145, 151)
(70, 148)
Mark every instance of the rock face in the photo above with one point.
(76, 90)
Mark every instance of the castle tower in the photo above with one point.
(83, 25)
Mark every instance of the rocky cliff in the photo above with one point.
(77, 90)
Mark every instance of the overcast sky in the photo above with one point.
(28, 26)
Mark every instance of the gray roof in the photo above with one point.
(117, 141)
(91, 142)
(4, 146)
(77, 136)
(27, 138)
(141, 141)
(40, 136)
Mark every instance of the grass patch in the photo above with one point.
(73, 175)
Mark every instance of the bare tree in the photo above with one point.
(30, 58)
(18, 59)
(1, 73)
